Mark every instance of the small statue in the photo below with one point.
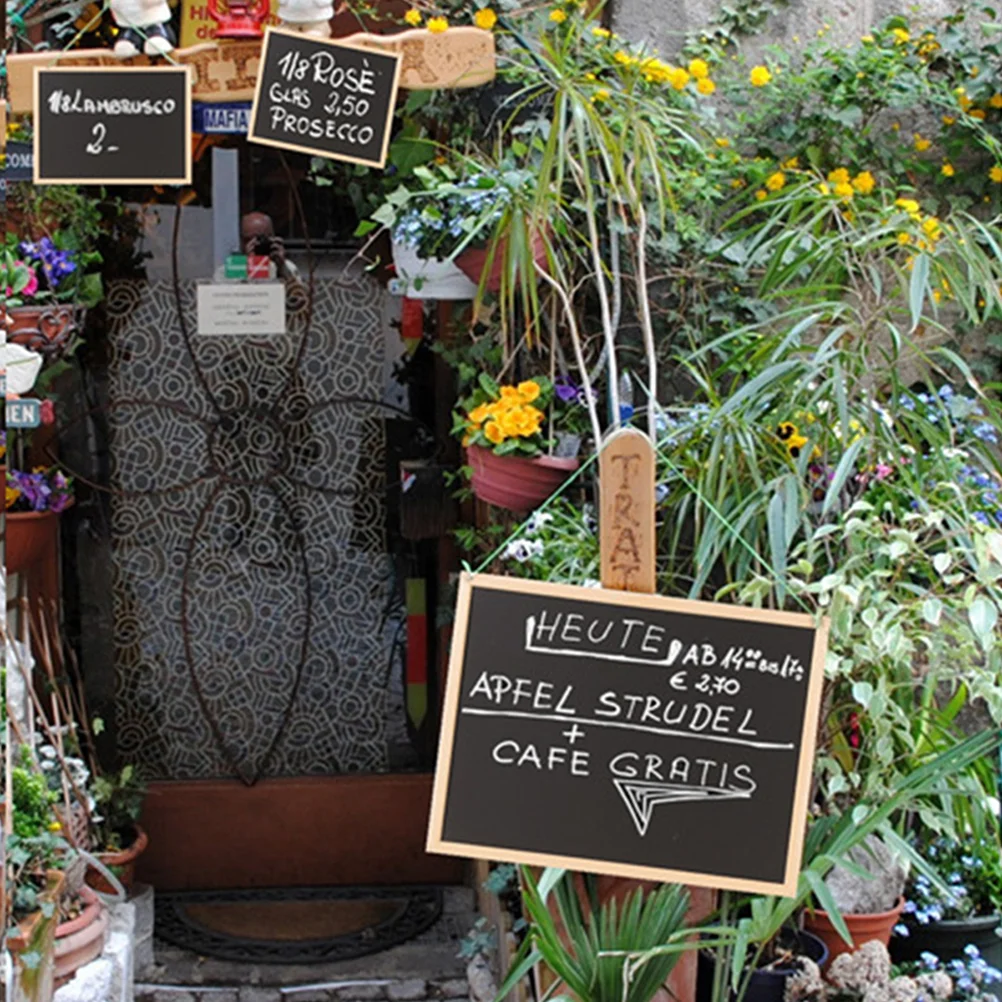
(144, 27)
(311, 17)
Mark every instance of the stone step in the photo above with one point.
(376, 990)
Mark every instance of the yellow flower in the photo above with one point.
(437, 25)
(624, 58)
(895, 127)
(844, 190)
(931, 228)
(494, 433)
(467, 439)
(55, 826)
(775, 181)
(947, 170)
(995, 101)
(848, 215)
(600, 32)
(839, 176)
(759, 76)
(679, 78)
(413, 17)
(937, 295)
(706, 86)
(978, 113)
(722, 142)
(996, 174)
(699, 69)
(864, 182)
(558, 16)
(974, 71)
(900, 36)
(510, 422)
(510, 397)
(949, 120)
(792, 164)
(909, 205)
(824, 189)
(867, 39)
(485, 19)
(528, 390)
(12, 495)
(904, 239)
(921, 143)
(761, 194)
(602, 94)
(480, 414)
(738, 183)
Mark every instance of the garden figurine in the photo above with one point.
(311, 17)
(145, 28)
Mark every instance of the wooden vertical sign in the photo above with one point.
(626, 512)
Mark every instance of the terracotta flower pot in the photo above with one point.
(862, 928)
(473, 261)
(46, 329)
(37, 934)
(81, 940)
(26, 536)
(518, 483)
(121, 863)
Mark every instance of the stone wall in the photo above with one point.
(665, 23)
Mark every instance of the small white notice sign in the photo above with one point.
(241, 308)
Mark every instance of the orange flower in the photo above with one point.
(494, 433)
(528, 390)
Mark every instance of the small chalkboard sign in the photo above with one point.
(628, 734)
(113, 125)
(324, 98)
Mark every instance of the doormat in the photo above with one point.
(297, 925)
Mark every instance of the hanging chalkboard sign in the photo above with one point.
(628, 734)
(113, 125)
(324, 98)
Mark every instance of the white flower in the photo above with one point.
(537, 521)
(22, 367)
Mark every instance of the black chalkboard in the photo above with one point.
(324, 98)
(113, 125)
(628, 734)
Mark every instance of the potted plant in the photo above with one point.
(33, 503)
(501, 428)
(961, 914)
(440, 228)
(118, 836)
(49, 265)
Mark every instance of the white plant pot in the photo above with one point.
(430, 279)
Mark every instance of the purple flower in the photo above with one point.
(565, 390)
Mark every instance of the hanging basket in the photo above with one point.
(26, 536)
(473, 262)
(518, 483)
(426, 278)
(47, 329)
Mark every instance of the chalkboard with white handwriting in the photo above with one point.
(113, 125)
(628, 734)
(323, 98)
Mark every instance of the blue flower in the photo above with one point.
(929, 960)
(902, 930)
(985, 432)
(972, 951)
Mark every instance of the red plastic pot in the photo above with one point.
(473, 262)
(863, 928)
(518, 483)
(27, 534)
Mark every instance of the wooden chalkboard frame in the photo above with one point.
(36, 90)
(795, 845)
(336, 43)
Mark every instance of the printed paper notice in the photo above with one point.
(241, 308)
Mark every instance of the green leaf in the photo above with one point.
(917, 288)
(777, 542)
(846, 465)
(827, 902)
(983, 617)
(489, 386)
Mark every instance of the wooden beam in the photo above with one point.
(227, 71)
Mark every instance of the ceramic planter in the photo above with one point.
(80, 940)
(122, 863)
(518, 483)
(473, 262)
(430, 279)
(948, 939)
(26, 536)
(769, 983)
(46, 329)
(862, 928)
